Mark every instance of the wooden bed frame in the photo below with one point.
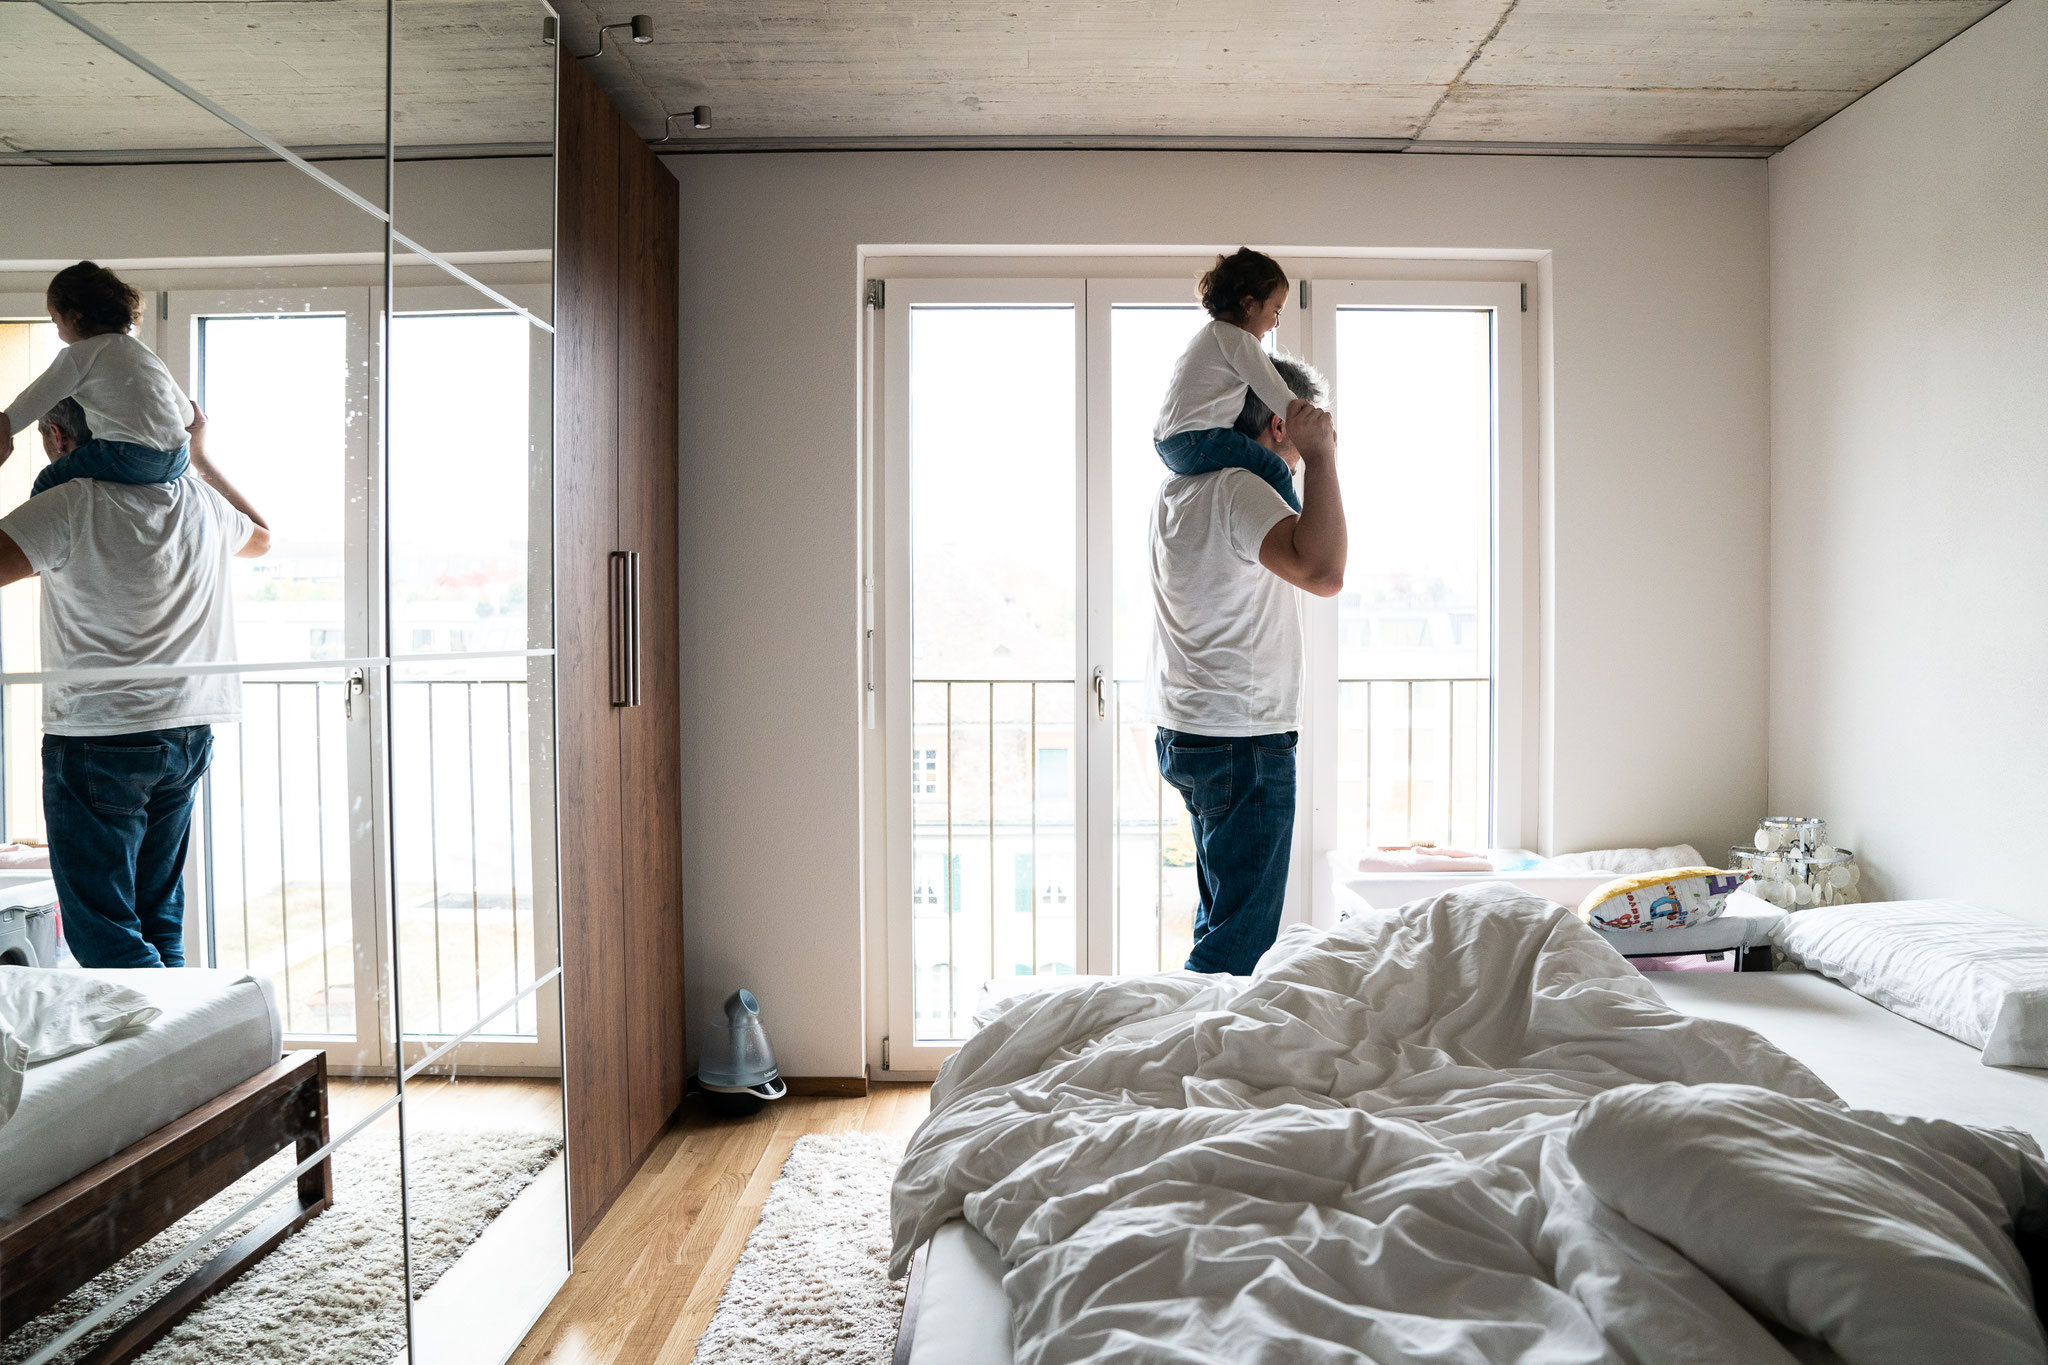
(66, 1237)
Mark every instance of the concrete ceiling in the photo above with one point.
(466, 75)
(472, 74)
(1742, 73)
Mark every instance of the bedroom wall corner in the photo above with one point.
(1909, 588)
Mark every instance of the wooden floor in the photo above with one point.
(649, 1278)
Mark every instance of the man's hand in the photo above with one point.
(1311, 430)
(6, 437)
(1309, 550)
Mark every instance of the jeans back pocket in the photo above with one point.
(120, 778)
(1203, 774)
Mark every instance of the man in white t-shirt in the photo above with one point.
(1228, 556)
(133, 574)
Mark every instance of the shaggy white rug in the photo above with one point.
(333, 1290)
(813, 1284)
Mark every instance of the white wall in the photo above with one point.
(1909, 620)
(1657, 419)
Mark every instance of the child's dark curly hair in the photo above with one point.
(94, 299)
(1243, 274)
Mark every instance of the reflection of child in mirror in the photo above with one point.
(136, 411)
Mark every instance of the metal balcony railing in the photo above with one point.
(995, 888)
(279, 824)
(1415, 761)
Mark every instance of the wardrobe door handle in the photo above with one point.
(633, 627)
(625, 623)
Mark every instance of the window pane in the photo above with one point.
(992, 471)
(275, 391)
(995, 890)
(460, 437)
(1414, 404)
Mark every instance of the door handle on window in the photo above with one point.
(352, 687)
(1101, 696)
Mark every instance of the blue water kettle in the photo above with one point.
(737, 1071)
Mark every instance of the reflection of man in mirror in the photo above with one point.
(133, 575)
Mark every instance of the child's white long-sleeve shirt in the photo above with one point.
(125, 390)
(1210, 379)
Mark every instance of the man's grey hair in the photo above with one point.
(68, 418)
(1301, 377)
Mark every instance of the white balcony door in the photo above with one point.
(988, 798)
(313, 855)
(1027, 829)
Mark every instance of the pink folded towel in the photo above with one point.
(1403, 860)
(24, 855)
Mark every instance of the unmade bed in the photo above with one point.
(1872, 1058)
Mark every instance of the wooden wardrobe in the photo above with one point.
(619, 705)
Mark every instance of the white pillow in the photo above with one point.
(1891, 1239)
(47, 1013)
(1624, 860)
(1972, 973)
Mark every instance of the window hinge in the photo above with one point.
(885, 1052)
(875, 294)
(1525, 298)
(1304, 304)
(163, 304)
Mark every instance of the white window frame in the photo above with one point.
(892, 535)
(1510, 666)
(499, 1055)
(1307, 330)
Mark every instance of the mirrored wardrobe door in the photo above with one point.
(223, 1182)
(470, 496)
(472, 769)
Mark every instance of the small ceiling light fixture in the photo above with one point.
(643, 32)
(700, 118)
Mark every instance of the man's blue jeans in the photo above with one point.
(1240, 796)
(116, 462)
(118, 809)
(1205, 452)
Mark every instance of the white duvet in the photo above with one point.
(1356, 1154)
